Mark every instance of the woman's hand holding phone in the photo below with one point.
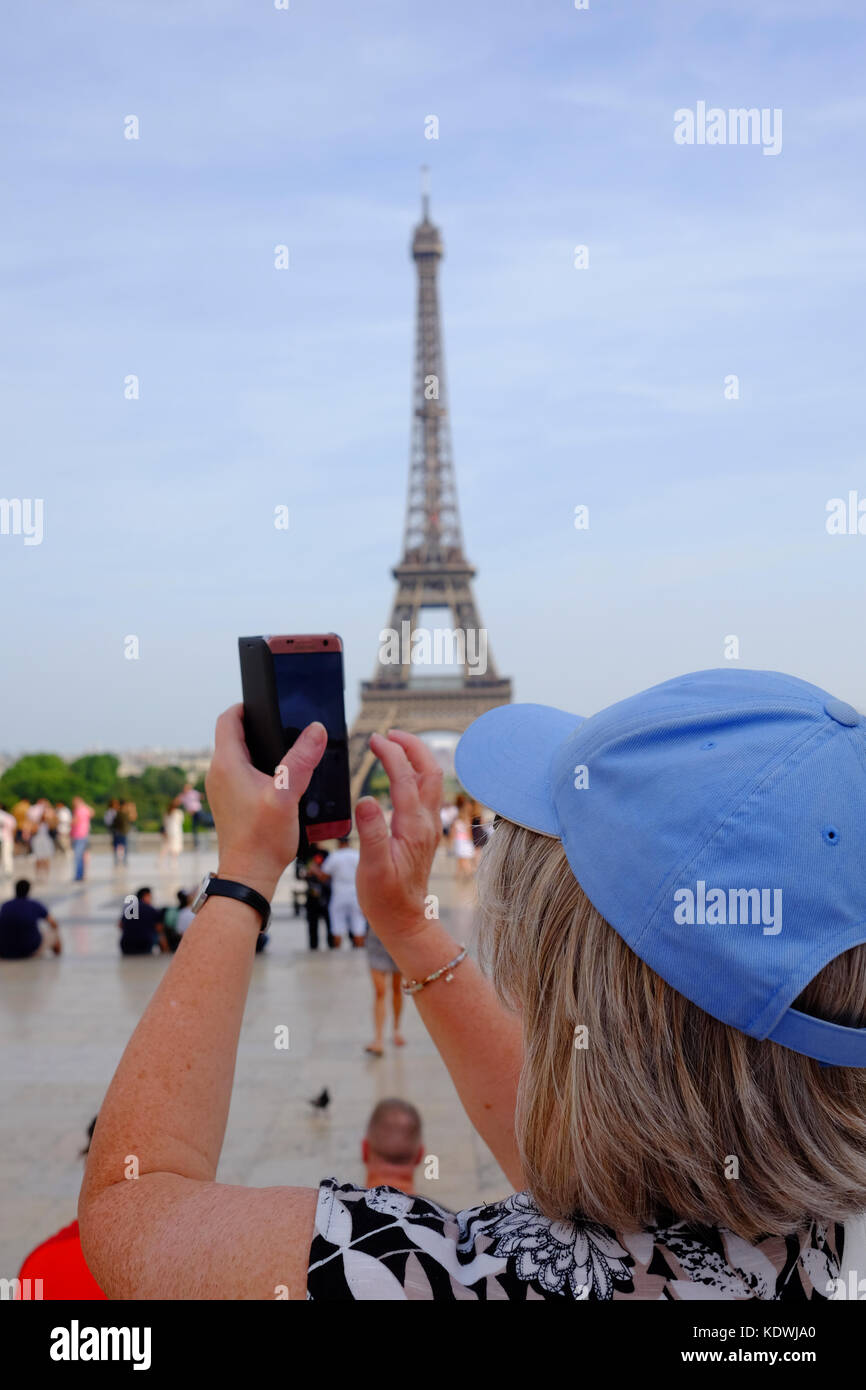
(256, 821)
(395, 865)
(256, 817)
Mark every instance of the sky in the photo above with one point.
(605, 386)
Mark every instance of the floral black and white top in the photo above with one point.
(378, 1243)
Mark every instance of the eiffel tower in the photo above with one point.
(434, 571)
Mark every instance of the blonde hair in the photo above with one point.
(666, 1113)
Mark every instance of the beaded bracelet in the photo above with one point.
(414, 986)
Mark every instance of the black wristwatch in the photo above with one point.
(213, 887)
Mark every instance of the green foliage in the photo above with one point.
(39, 774)
(377, 783)
(152, 792)
(96, 771)
(94, 777)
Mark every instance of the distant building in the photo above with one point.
(195, 762)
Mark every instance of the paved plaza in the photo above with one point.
(65, 1021)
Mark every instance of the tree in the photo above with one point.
(151, 792)
(95, 775)
(36, 775)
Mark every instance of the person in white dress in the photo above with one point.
(63, 822)
(172, 830)
(43, 849)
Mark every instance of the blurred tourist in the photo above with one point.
(172, 830)
(140, 926)
(190, 800)
(175, 920)
(23, 824)
(20, 934)
(392, 1147)
(383, 969)
(43, 848)
(339, 870)
(7, 841)
(62, 827)
(318, 901)
(35, 813)
(82, 815)
(447, 815)
(460, 839)
(123, 819)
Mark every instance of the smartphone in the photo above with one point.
(288, 682)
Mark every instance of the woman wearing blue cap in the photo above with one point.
(669, 1062)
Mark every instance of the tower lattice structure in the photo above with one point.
(434, 571)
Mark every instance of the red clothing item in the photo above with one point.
(60, 1264)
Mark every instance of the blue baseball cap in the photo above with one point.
(717, 822)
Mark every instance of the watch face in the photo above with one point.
(201, 895)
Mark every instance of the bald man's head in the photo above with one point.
(394, 1132)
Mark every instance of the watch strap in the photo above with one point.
(227, 888)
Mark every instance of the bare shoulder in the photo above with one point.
(165, 1237)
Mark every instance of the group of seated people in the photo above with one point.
(28, 929)
(145, 928)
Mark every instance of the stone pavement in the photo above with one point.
(65, 1021)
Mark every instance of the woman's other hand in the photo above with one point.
(395, 866)
(256, 816)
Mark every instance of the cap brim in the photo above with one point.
(504, 760)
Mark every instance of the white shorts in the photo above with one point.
(347, 919)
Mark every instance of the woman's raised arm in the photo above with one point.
(154, 1223)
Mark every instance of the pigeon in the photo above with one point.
(322, 1101)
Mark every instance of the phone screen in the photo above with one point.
(310, 686)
